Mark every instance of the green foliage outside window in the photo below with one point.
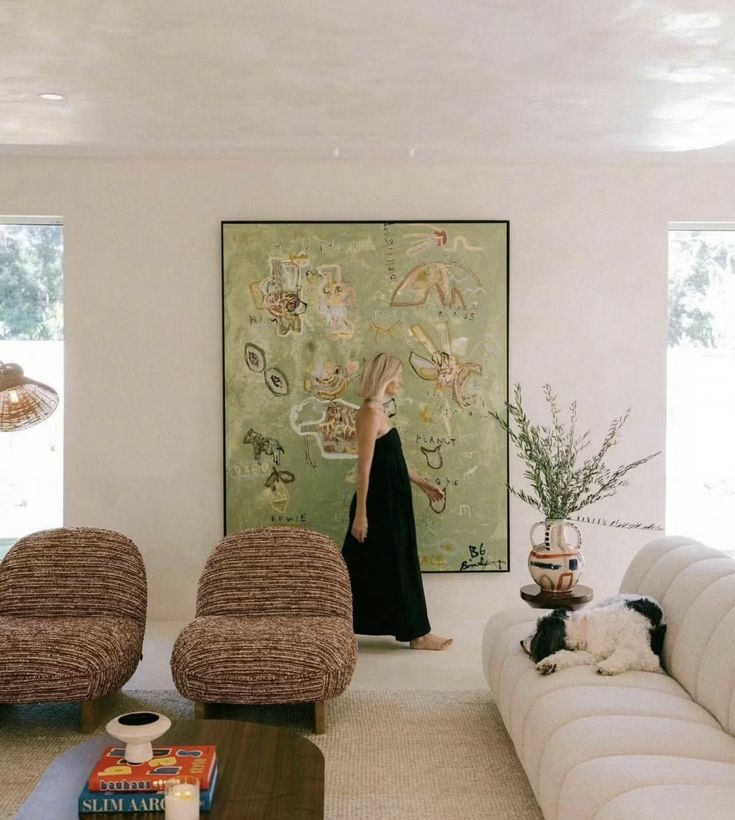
(699, 259)
(31, 297)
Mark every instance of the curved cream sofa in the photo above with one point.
(637, 746)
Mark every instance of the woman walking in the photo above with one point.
(380, 545)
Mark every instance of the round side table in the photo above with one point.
(535, 596)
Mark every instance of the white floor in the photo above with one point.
(382, 662)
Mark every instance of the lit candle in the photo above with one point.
(182, 801)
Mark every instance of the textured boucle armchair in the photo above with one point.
(273, 624)
(72, 618)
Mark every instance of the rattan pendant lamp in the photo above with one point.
(23, 401)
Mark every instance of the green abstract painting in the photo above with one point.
(305, 304)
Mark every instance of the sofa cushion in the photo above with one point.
(517, 685)
(590, 790)
(66, 659)
(695, 585)
(612, 739)
(683, 802)
(554, 710)
(560, 722)
(274, 659)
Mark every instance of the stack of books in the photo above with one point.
(115, 785)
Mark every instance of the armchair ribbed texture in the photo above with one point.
(273, 623)
(72, 617)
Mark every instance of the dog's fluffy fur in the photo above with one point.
(623, 633)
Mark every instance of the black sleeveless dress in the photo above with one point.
(387, 593)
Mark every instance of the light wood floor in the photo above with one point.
(382, 663)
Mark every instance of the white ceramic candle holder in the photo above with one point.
(137, 730)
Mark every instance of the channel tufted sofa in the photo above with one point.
(273, 624)
(72, 618)
(636, 746)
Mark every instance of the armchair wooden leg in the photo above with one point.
(91, 713)
(320, 718)
(200, 710)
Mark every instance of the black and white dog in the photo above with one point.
(623, 633)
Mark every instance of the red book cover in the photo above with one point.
(112, 773)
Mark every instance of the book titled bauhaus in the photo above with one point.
(113, 773)
(128, 802)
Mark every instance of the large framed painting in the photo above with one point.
(305, 305)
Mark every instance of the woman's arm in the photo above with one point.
(368, 422)
(433, 491)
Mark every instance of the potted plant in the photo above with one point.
(563, 482)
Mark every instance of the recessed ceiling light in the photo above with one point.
(55, 97)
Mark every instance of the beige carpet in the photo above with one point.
(402, 754)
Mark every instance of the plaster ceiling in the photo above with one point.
(499, 80)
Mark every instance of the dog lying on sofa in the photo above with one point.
(622, 633)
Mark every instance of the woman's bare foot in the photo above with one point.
(430, 641)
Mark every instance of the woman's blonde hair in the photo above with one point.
(381, 369)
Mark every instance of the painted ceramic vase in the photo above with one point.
(556, 561)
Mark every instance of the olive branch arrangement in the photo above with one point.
(562, 483)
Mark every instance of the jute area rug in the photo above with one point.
(389, 754)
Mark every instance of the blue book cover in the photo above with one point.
(106, 802)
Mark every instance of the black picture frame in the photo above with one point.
(331, 253)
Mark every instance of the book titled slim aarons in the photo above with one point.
(112, 773)
(128, 802)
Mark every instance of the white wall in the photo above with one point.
(143, 336)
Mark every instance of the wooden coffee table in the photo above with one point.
(264, 772)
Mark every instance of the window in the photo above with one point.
(32, 336)
(700, 446)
